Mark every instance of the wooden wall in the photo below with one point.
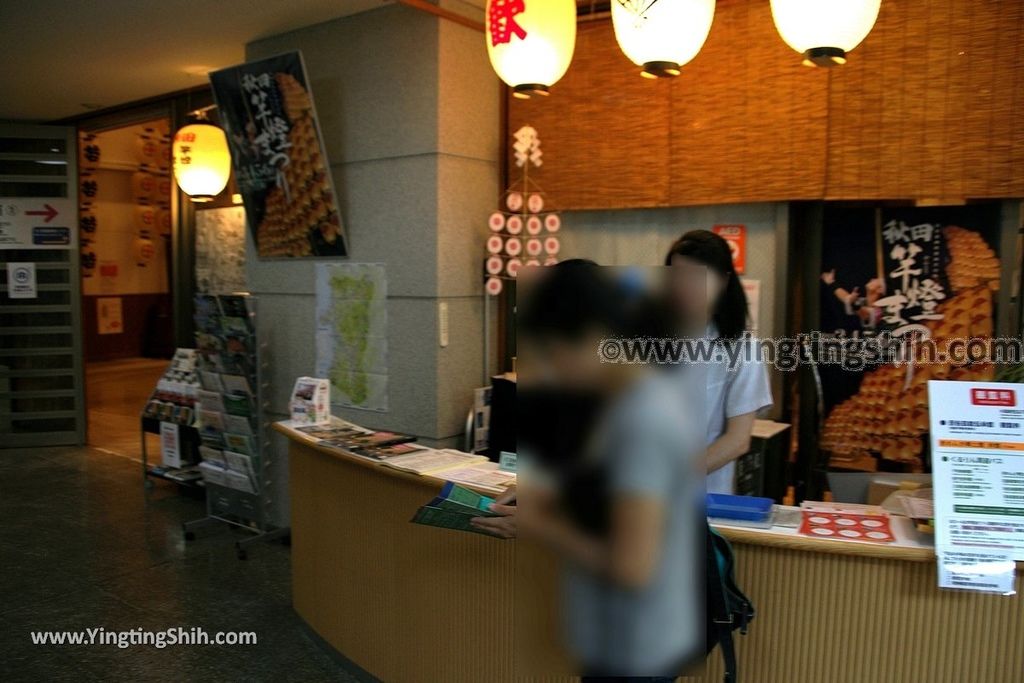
(929, 106)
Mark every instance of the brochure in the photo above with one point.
(454, 508)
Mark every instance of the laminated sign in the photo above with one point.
(977, 436)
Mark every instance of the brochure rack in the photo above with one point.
(172, 406)
(230, 414)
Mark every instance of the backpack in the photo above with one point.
(727, 608)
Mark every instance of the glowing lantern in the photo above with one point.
(530, 42)
(824, 30)
(661, 36)
(202, 163)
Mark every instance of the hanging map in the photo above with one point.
(351, 333)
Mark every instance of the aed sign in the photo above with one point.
(735, 235)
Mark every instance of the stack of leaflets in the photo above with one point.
(226, 337)
(454, 508)
(174, 398)
(433, 462)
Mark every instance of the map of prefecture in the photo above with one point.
(351, 333)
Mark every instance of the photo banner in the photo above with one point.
(278, 157)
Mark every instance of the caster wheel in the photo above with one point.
(190, 536)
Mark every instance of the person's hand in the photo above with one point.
(854, 295)
(829, 277)
(504, 525)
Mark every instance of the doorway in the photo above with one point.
(127, 269)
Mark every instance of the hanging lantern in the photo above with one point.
(824, 31)
(661, 36)
(530, 42)
(202, 163)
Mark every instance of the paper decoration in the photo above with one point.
(525, 208)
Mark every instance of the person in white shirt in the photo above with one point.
(708, 294)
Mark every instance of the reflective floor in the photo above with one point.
(81, 548)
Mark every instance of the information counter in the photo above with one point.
(415, 604)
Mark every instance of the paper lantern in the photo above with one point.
(202, 163)
(824, 31)
(530, 42)
(661, 36)
(144, 251)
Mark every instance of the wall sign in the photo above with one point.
(977, 437)
(21, 281)
(109, 319)
(278, 157)
(736, 237)
(38, 223)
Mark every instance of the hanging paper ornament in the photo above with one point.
(550, 261)
(163, 222)
(88, 260)
(523, 210)
(87, 224)
(535, 203)
(89, 154)
(145, 217)
(493, 286)
(513, 266)
(495, 265)
(146, 149)
(163, 189)
(88, 190)
(144, 251)
(496, 222)
(143, 186)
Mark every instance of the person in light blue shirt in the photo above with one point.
(624, 512)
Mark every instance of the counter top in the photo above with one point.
(910, 545)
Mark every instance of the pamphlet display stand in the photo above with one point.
(171, 407)
(230, 415)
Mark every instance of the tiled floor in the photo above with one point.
(82, 547)
(116, 392)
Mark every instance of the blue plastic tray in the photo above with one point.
(725, 506)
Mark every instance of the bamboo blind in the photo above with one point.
(929, 106)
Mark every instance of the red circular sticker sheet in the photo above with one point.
(846, 526)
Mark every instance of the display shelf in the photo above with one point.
(233, 431)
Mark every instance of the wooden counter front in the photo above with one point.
(414, 604)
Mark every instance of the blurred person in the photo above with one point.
(709, 298)
(620, 502)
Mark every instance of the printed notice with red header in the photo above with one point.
(977, 439)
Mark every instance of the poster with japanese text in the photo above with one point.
(278, 157)
(900, 288)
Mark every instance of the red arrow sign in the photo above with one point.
(47, 211)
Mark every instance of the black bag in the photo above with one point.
(728, 608)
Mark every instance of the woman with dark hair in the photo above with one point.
(709, 297)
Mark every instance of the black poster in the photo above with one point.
(278, 156)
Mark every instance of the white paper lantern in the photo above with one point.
(661, 36)
(823, 31)
(202, 163)
(530, 42)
